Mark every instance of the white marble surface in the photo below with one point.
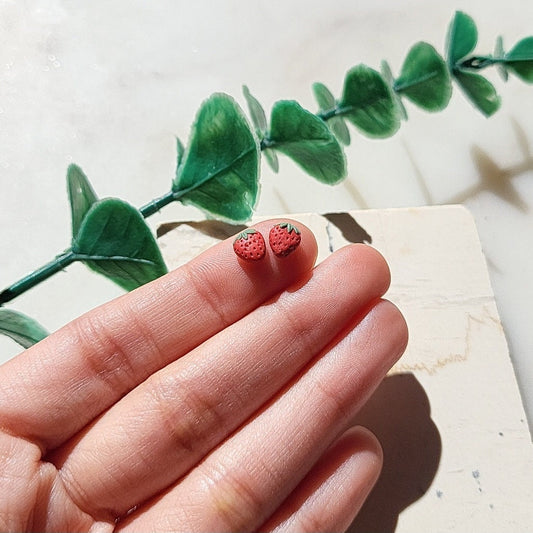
(108, 84)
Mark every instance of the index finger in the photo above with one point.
(52, 390)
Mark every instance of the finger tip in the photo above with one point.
(377, 262)
(398, 327)
(366, 263)
(270, 270)
(364, 440)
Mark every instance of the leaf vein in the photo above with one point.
(208, 177)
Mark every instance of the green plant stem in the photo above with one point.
(68, 257)
(266, 143)
(63, 260)
(335, 112)
(29, 281)
(480, 62)
(155, 205)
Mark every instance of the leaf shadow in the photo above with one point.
(492, 177)
(495, 179)
(351, 230)
(399, 414)
(212, 228)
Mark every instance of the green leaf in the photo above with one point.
(340, 130)
(272, 159)
(81, 196)
(307, 140)
(386, 72)
(367, 102)
(21, 328)
(499, 54)
(180, 150)
(114, 240)
(520, 59)
(257, 113)
(480, 91)
(219, 172)
(326, 102)
(461, 38)
(424, 78)
(324, 97)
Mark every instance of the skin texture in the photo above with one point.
(216, 398)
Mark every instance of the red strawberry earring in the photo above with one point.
(250, 245)
(284, 238)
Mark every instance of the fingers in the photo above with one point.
(171, 421)
(243, 481)
(330, 496)
(52, 390)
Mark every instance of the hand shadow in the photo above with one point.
(398, 413)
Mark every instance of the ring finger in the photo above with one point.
(249, 476)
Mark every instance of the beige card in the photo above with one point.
(458, 451)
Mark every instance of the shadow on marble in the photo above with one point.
(492, 177)
(351, 230)
(215, 229)
(399, 414)
(496, 179)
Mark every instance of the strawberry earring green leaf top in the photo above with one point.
(250, 245)
(284, 238)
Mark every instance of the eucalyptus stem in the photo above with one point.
(330, 113)
(68, 257)
(480, 62)
(371, 101)
(29, 281)
(155, 205)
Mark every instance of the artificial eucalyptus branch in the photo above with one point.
(218, 170)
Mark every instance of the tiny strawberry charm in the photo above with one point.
(284, 238)
(250, 245)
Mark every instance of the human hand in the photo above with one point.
(216, 398)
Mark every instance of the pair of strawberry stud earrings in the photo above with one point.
(283, 238)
